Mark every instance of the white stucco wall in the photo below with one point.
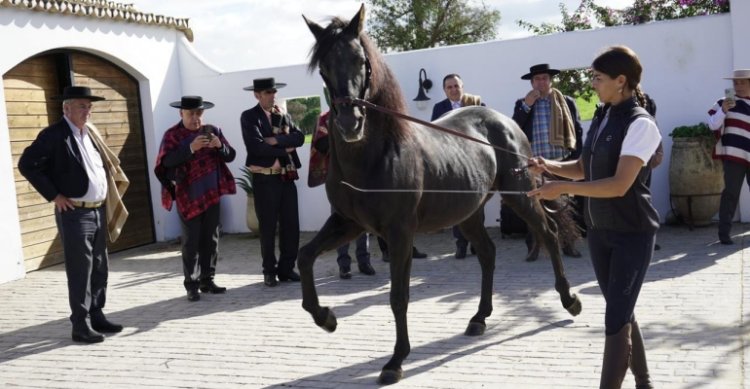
(147, 53)
(683, 73)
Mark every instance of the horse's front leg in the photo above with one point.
(335, 232)
(475, 232)
(400, 248)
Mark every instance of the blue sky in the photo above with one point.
(249, 34)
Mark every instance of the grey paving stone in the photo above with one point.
(693, 309)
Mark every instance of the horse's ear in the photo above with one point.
(315, 28)
(357, 23)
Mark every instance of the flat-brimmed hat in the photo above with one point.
(78, 92)
(192, 102)
(539, 69)
(739, 74)
(261, 84)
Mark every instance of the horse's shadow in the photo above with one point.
(451, 348)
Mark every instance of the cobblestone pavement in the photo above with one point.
(693, 310)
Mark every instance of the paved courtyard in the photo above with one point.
(694, 310)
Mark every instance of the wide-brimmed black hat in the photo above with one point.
(192, 102)
(78, 92)
(261, 84)
(539, 69)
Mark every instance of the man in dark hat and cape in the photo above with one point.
(70, 165)
(192, 168)
(271, 138)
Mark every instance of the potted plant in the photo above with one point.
(696, 179)
(245, 181)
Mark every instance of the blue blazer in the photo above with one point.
(439, 109)
(53, 165)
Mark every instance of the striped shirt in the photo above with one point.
(732, 129)
(540, 145)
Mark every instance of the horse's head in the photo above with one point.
(345, 68)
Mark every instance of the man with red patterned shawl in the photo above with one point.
(192, 168)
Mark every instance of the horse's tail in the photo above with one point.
(564, 219)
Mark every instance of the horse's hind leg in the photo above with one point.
(475, 232)
(335, 232)
(536, 219)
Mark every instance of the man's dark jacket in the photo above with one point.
(53, 165)
(255, 127)
(525, 121)
(440, 108)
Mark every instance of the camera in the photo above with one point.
(207, 132)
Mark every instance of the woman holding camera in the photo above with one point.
(622, 222)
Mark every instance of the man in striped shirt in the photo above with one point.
(729, 118)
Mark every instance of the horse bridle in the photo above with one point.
(349, 100)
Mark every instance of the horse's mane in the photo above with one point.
(384, 88)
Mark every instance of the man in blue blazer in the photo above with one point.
(455, 98)
(271, 138)
(65, 166)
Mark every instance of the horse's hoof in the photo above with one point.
(475, 329)
(390, 377)
(326, 320)
(575, 307)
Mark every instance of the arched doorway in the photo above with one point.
(28, 89)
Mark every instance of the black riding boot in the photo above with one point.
(638, 359)
(616, 357)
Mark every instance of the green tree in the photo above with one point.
(403, 25)
(575, 82)
(304, 112)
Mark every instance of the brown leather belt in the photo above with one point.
(87, 204)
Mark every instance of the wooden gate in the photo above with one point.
(28, 91)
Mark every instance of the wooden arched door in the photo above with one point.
(29, 88)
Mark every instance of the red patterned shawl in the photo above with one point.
(198, 183)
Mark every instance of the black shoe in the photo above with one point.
(416, 254)
(87, 336)
(290, 276)
(208, 286)
(270, 280)
(472, 250)
(657, 247)
(345, 272)
(386, 258)
(726, 240)
(571, 251)
(106, 326)
(366, 268)
(460, 252)
(193, 295)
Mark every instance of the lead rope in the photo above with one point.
(367, 104)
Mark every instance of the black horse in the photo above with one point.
(436, 179)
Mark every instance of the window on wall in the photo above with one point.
(305, 112)
(577, 84)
